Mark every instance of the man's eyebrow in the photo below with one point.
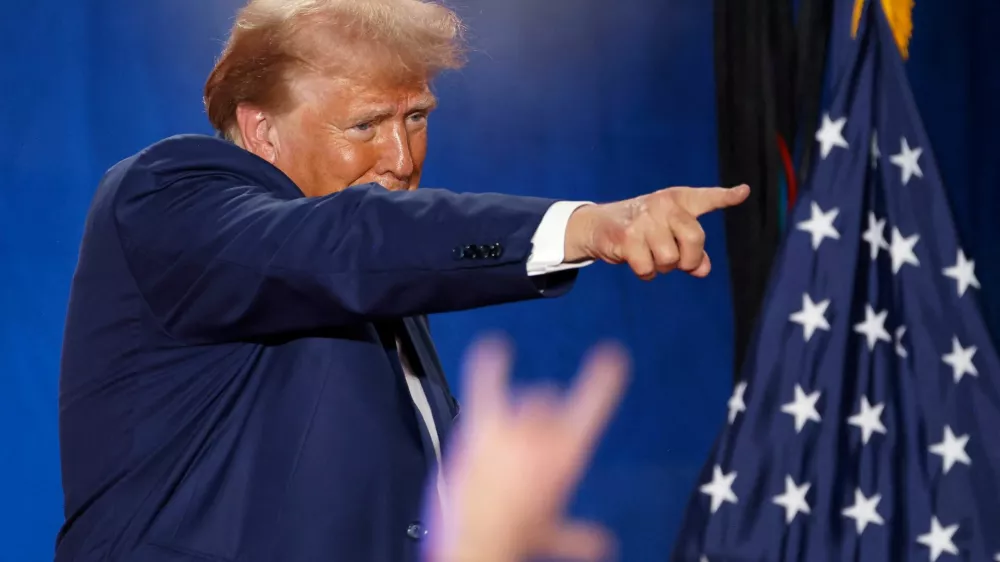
(425, 103)
(373, 114)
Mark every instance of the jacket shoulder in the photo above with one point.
(185, 157)
(205, 145)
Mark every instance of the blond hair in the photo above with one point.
(274, 39)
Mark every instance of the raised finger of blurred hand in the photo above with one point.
(486, 377)
(593, 399)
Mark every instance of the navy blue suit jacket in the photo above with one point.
(230, 389)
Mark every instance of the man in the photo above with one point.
(247, 371)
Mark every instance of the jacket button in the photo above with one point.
(496, 250)
(472, 251)
(458, 253)
(416, 531)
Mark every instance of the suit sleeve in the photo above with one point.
(218, 259)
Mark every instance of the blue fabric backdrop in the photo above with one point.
(565, 98)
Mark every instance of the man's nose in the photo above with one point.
(395, 157)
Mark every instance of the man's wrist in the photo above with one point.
(476, 551)
(483, 539)
(579, 234)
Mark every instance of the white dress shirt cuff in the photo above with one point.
(549, 241)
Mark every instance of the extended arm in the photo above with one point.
(218, 259)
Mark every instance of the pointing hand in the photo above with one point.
(653, 233)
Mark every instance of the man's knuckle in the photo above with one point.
(667, 254)
(633, 231)
(693, 237)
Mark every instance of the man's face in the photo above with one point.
(345, 133)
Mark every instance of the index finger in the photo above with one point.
(594, 397)
(486, 375)
(701, 200)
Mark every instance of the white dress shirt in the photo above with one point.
(547, 255)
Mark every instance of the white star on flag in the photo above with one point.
(901, 250)
(864, 511)
(939, 539)
(907, 160)
(831, 134)
(875, 235)
(951, 449)
(868, 420)
(812, 317)
(963, 272)
(803, 408)
(736, 403)
(794, 499)
(960, 360)
(873, 328)
(820, 224)
(720, 489)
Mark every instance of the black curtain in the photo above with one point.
(769, 72)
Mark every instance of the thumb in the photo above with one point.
(701, 200)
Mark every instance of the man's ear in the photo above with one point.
(257, 131)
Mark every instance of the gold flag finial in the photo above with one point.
(900, 16)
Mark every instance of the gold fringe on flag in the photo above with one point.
(900, 16)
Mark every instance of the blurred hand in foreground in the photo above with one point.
(516, 462)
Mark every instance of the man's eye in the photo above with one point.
(418, 117)
(364, 126)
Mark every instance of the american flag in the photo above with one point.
(867, 427)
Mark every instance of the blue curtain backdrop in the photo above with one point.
(577, 99)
